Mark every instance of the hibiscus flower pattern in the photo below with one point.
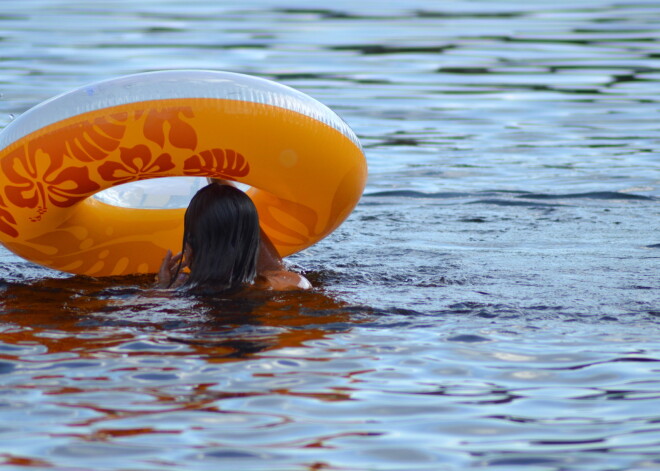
(86, 141)
(7, 221)
(37, 180)
(217, 163)
(180, 134)
(45, 174)
(136, 163)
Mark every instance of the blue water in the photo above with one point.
(492, 303)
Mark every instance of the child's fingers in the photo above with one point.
(164, 273)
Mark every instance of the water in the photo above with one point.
(492, 303)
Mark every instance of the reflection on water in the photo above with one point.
(493, 302)
(93, 364)
(93, 370)
(90, 314)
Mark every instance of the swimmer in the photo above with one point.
(224, 248)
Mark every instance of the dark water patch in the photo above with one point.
(400, 311)
(481, 309)
(503, 202)
(5, 17)
(625, 78)
(378, 49)
(597, 195)
(400, 141)
(322, 13)
(468, 338)
(144, 346)
(11, 349)
(471, 14)
(622, 395)
(502, 192)
(525, 312)
(577, 40)
(371, 81)
(474, 219)
(155, 377)
(464, 70)
(6, 367)
(433, 280)
(240, 456)
(163, 30)
(416, 194)
(526, 461)
(485, 393)
(301, 76)
(613, 66)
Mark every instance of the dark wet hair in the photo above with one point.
(221, 226)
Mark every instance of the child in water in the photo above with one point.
(224, 247)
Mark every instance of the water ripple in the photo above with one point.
(491, 303)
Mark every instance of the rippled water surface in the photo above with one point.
(492, 303)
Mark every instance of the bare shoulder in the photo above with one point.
(283, 280)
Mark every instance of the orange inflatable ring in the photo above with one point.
(305, 166)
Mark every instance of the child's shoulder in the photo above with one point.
(282, 280)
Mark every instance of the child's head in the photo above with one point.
(221, 238)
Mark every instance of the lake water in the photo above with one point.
(492, 303)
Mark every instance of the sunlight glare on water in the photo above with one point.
(492, 302)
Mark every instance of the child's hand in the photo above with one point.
(168, 270)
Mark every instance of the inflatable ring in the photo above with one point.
(305, 166)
